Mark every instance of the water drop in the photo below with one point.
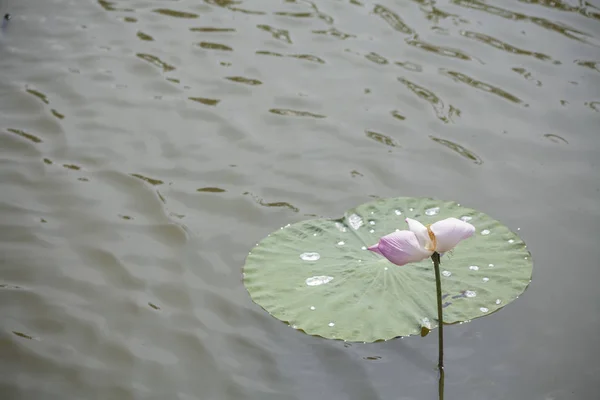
(491, 265)
(485, 232)
(314, 234)
(363, 248)
(470, 293)
(518, 229)
(398, 212)
(485, 279)
(465, 218)
(474, 268)
(511, 241)
(411, 209)
(371, 222)
(498, 301)
(318, 280)
(312, 307)
(295, 326)
(446, 273)
(310, 256)
(483, 309)
(386, 268)
(432, 211)
(372, 230)
(527, 258)
(331, 324)
(341, 243)
(340, 227)
(355, 221)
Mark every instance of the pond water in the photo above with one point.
(146, 146)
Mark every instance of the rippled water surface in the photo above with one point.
(146, 146)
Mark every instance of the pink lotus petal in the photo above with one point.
(420, 232)
(448, 232)
(401, 248)
(375, 248)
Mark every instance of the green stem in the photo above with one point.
(438, 287)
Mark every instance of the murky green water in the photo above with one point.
(146, 146)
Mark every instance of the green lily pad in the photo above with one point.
(319, 277)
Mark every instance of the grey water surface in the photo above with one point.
(146, 146)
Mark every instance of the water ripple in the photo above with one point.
(246, 81)
(461, 150)
(444, 113)
(441, 50)
(205, 101)
(276, 204)
(460, 77)
(175, 14)
(135, 135)
(392, 19)
(307, 57)
(483, 38)
(381, 138)
(295, 113)
(166, 67)
(214, 46)
(560, 28)
(279, 34)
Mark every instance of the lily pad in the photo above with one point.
(318, 276)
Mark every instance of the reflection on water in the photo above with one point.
(214, 46)
(294, 113)
(381, 138)
(459, 149)
(459, 77)
(146, 146)
(203, 100)
(156, 61)
(443, 113)
(176, 14)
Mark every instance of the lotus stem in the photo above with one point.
(438, 286)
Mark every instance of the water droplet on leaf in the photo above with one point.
(310, 256)
(318, 280)
(432, 211)
(340, 227)
(355, 221)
